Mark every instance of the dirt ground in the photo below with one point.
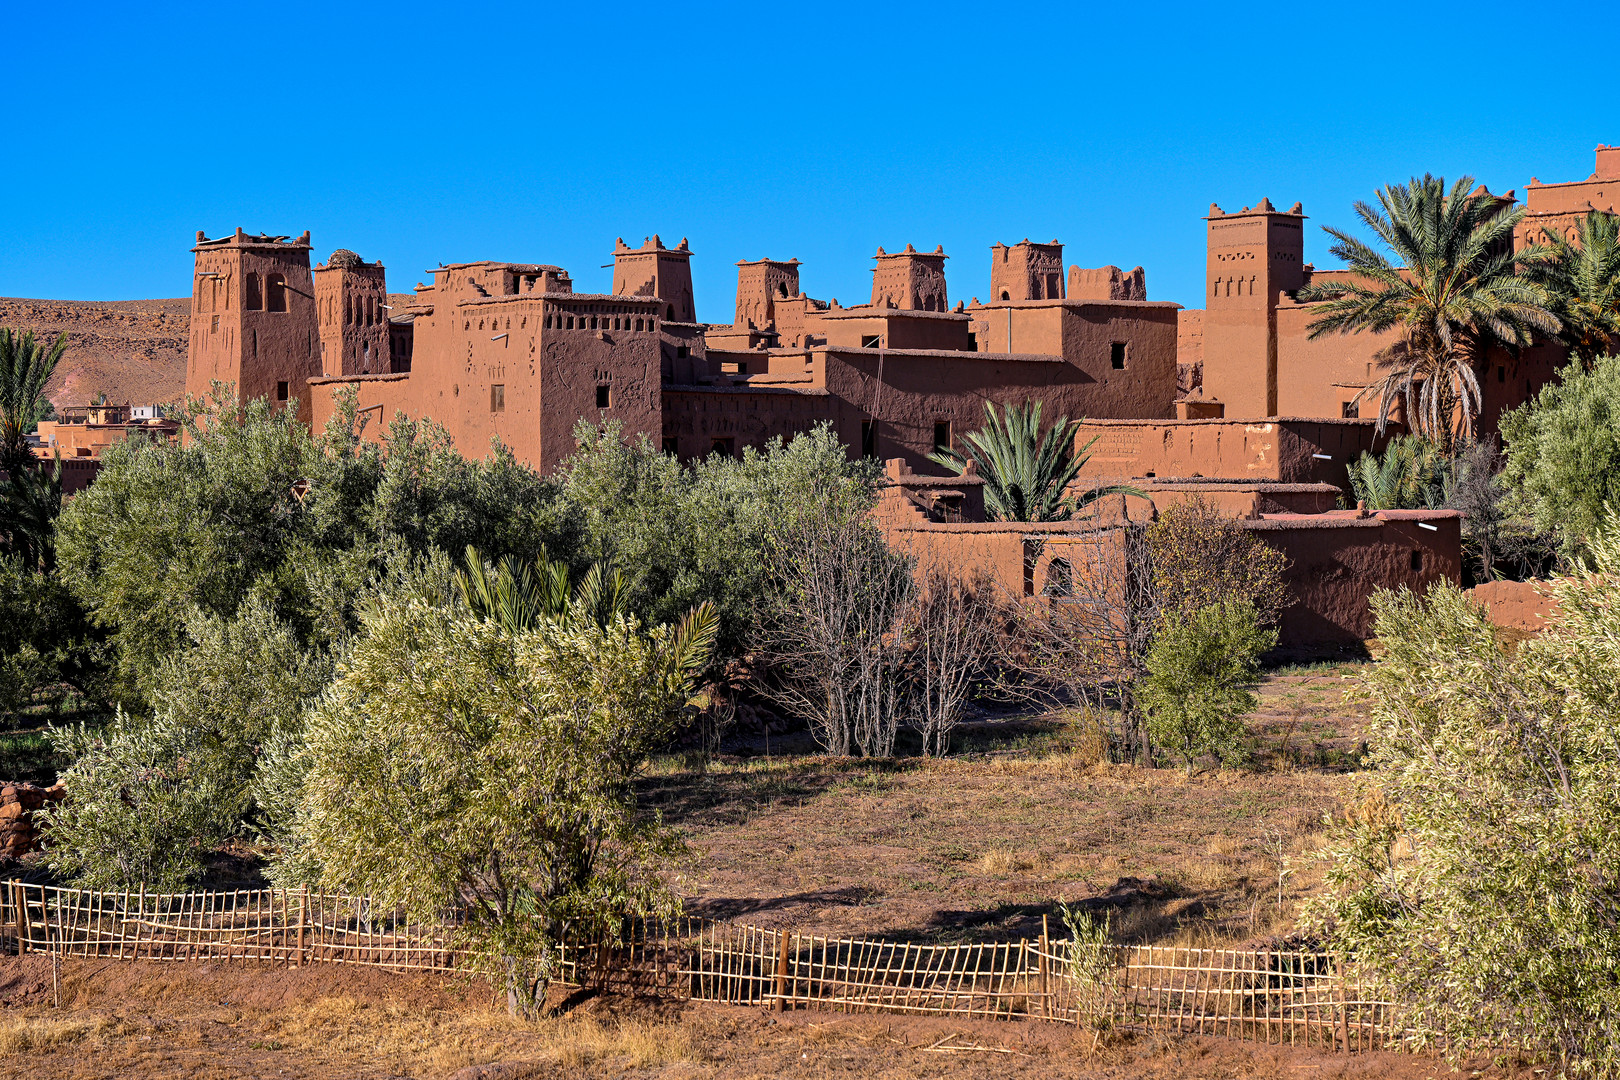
(984, 843)
(217, 1021)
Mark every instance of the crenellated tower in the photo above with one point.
(654, 270)
(910, 280)
(1253, 256)
(351, 303)
(253, 321)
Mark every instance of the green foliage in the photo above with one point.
(1453, 289)
(250, 504)
(30, 501)
(1026, 473)
(1477, 882)
(521, 597)
(1199, 671)
(217, 703)
(1563, 452)
(144, 805)
(25, 365)
(456, 762)
(46, 643)
(1200, 556)
(693, 534)
(1583, 279)
(1410, 474)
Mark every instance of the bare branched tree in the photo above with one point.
(951, 628)
(831, 649)
(1089, 645)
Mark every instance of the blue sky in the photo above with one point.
(540, 132)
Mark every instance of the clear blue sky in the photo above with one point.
(539, 132)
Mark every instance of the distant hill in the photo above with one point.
(133, 351)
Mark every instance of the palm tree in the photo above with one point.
(24, 367)
(1026, 473)
(1583, 278)
(1409, 475)
(1454, 290)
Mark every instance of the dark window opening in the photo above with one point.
(1005, 295)
(638, 324)
(281, 390)
(942, 435)
(1417, 562)
(724, 447)
(781, 289)
(682, 351)
(275, 292)
(871, 341)
(1351, 410)
(1116, 356)
(570, 323)
(1501, 373)
(603, 397)
(672, 445)
(1059, 579)
(973, 342)
(253, 301)
(497, 398)
(869, 438)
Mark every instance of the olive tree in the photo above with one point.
(1477, 881)
(461, 764)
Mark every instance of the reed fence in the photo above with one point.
(1272, 996)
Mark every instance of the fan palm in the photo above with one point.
(1583, 278)
(24, 366)
(1409, 475)
(1454, 291)
(1026, 473)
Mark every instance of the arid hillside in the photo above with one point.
(133, 351)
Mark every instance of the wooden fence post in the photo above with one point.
(1046, 939)
(22, 922)
(303, 905)
(781, 970)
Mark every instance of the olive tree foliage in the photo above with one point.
(250, 503)
(1563, 452)
(1199, 671)
(459, 763)
(1479, 880)
(692, 533)
(151, 797)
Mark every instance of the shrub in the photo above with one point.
(830, 649)
(1411, 474)
(949, 631)
(1198, 556)
(457, 763)
(1478, 883)
(1563, 452)
(1198, 674)
(144, 806)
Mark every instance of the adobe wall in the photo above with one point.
(1336, 561)
(849, 328)
(1516, 605)
(350, 303)
(1237, 500)
(1280, 449)
(1556, 209)
(379, 398)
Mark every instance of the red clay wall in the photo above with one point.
(1282, 449)
(1516, 605)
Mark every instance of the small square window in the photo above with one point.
(603, 397)
(672, 445)
(724, 447)
(1417, 561)
(942, 435)
(497, 398)
(871, 341)
(681, 351)
(1351, 410)
(1116, 356)
(281, 390)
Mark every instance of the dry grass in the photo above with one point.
(444, 1041)
(22, 1035)
(982, 844)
